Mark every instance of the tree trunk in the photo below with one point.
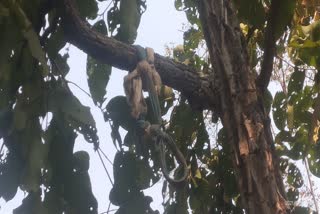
(242, 112)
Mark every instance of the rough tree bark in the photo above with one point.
(231, 91)
(242, 111)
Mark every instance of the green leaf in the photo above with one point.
(71, 186)
(101, 27)
(71, 106)
(129, 17)
(36, 157)
(192, 13)
(166, 99)
(137, 204)
(230, 184)
(88, 8)
(293, 194)
(131, 172)
(31, 204)
(98, 75)
(78, 115)
(279, 110)
(192, 38)
(296, 81)
(9, 40)
(200, 194)
(36, 49)
(6, 119)
(184, 123)
(302, 210)
(294, 176)
(312, 31)
(120, 195)
(290, 117)
(178, 5)
(285, 11)
(29, 34)
(81, 198)
(283, 136)
(314, 159)
(53, 202)
(10, 174)
(81, 161)
(299, 144)
(19, 119)
(60, 65)
(302, 102)
(202, 145)
(113, 17)
(119, 111)
(131, 139)
(305, 44)
(251, 12)
(55, 43)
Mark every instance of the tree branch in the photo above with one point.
(200, 93)
(269, 47)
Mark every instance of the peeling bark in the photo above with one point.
(243, 114)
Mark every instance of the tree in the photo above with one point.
(242, 170)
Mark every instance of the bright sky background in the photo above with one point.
(160, 25)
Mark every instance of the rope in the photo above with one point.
(145, 77)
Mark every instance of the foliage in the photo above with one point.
(33, 86)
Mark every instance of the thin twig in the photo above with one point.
(2, 146)
(293, 66)
(75, 84)
(310, 184)
(107, 212)
(102, 14)
(105, 168)
(109, 207)
(106, 157)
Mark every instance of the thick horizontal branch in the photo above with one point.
(198, 90)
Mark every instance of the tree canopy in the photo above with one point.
(245, 144)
